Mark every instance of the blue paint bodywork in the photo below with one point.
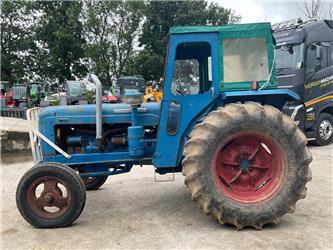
(164, 149)
(50, 117)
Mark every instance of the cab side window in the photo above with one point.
(186, 77)
(319, 56)
(311, 59)
(192, 69)
(245, 59)
(330, 55)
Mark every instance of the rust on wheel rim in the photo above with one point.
(52, 202)
(249, 167)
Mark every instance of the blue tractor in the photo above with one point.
(219, 123)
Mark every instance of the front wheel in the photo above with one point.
(324, 130)
(50, 195)
(247, 165)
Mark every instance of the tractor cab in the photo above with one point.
(36, 92)
(211, 66)
(130, 84)
(75, 91)
(244, 53)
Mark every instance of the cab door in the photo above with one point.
(191, 87)
(319, 85)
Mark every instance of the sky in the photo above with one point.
(268, 10)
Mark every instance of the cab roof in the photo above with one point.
(226, 28)
(308, 32)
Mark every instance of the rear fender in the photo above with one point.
(274, 97)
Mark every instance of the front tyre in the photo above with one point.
(324, 130)
(50, 195)
(247, 165)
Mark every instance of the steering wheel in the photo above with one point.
(181, 92)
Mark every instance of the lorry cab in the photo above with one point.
(304, 64)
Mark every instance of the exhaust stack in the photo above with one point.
(99, 142)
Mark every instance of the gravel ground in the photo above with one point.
(133, 211)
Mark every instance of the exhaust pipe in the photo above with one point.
(99, 142)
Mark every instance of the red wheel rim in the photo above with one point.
(249, 167)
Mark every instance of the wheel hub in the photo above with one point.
(50, 197)
(244, 166)
(249, 167)
(325, 130)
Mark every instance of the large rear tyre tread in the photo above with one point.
(223, 122)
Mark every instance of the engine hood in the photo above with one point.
(148, 114)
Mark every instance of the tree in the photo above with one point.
(315, 9)
(16, 40)
(111, 30)
(60, 41)
(145, 63)
(312, 9)
(161, 15)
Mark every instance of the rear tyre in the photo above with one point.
(247, 165)
(50, 195)
(92, 183)
(324, 130)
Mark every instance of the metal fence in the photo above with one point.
(14, 112)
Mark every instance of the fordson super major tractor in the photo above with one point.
(219, 123)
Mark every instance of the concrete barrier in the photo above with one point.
(14, 135)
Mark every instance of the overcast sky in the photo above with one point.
(268, 10)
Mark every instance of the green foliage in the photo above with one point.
(89, 96)
(61, 37)
(145, 63)
(16, 40)
(56, 40)
(111, 28)
(161, 15)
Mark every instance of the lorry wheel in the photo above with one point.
(247, 165)
(324, 130)
(50, 195)
(92, 183)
